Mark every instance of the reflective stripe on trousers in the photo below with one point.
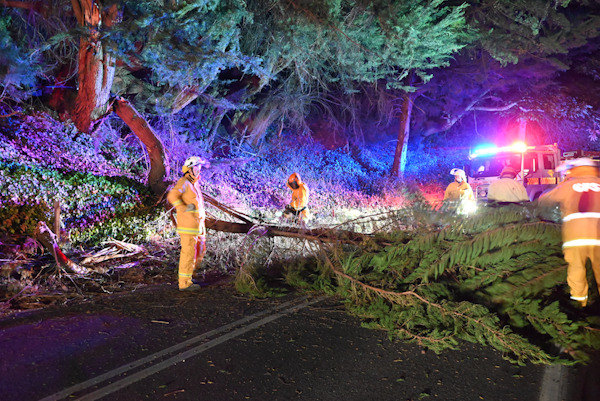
(584, 215)
(577, 257)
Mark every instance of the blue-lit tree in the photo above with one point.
(180, 48)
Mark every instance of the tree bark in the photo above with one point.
(403, 136)
(49, 240)
(96, 68)
(96, 72)
(316, 234)
(185, 96)
(154, 147)
(38, 6)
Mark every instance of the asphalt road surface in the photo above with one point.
(160, 344)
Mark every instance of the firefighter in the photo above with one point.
(579, 200)
(297, 208)
(459, 194)
(506, 189)
(186, 198)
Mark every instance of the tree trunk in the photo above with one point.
(96, 72)
(96, 68)
(220, 113)
(523, 130)
(403, 135)
(316, 234)
(154, 147)
(185, 96)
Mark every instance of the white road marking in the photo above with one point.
(183, 355)
(554, 384)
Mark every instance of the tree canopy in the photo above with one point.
(291, 63)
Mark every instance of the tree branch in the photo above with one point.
(20, 4)
(497, 108)
(154, 147)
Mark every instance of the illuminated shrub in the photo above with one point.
(86, 199)
(21, 220)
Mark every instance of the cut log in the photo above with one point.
(49, 240)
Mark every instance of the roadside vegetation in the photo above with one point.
(372, 103)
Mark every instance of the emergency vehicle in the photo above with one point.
(535, 166)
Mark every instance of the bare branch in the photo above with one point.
(497, 108)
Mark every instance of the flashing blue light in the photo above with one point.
(485, 150)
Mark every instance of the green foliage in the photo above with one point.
(136, 226)
(88, 202)
(18, 68)
(183, 44)
(514, 31)
(497, 279)
(317, 52)
(349, 42)
(21, 220)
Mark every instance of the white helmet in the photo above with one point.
(194, 161)
(459, 172)
(572, 163)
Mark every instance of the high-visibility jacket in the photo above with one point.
(507, 190)
(579, 200)
(458, 191)
(299, 195)
(185, 193)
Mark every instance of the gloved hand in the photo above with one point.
(190, 208)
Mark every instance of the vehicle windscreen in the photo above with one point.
(492, 165)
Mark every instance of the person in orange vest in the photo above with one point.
(298, 206)
(579, 200)
(459, 194)
(186, 198)
(506, 189)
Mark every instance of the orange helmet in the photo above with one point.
(295, 177)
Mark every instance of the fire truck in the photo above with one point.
(535, 166)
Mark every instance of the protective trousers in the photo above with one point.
(193, 249)
(576, 273)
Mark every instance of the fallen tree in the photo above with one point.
(498, 279)
(269, 230)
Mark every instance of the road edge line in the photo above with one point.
(142, 361)
(142, 374)
(554, 383)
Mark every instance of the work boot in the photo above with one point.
(191, 288)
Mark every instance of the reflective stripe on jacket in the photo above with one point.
(579, 200)
(183, 194)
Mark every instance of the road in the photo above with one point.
(160, 344)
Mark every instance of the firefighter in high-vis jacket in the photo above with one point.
(459, 194)
(297, 208)
(506, 189)
(579, 200)
(186, 198)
